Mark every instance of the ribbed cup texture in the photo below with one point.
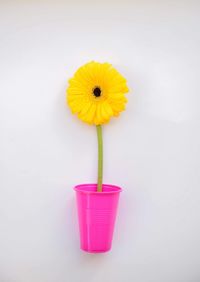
(96, 214)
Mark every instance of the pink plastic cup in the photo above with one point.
(96, 213)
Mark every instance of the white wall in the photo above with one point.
(152, 151)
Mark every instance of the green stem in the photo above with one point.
(100, 158)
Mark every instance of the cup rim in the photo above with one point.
(81, 188)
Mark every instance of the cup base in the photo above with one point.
(95, 251)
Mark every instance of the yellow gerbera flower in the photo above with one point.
(97, 92)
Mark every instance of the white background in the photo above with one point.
(152, 150)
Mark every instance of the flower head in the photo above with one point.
(97, 92)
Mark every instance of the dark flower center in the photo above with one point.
(97, 92)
